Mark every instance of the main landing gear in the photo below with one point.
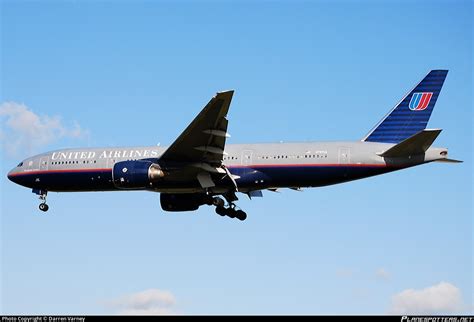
(42, 196)
(229, 211)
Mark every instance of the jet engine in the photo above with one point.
(136, 174)
(183, 201)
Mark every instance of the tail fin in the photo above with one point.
(412, 114)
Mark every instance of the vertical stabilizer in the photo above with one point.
(412, 114)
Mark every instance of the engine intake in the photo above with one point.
(136, 174)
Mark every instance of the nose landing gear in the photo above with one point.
(42, 196)
(43, 206)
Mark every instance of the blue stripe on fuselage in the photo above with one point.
(67, 180)
(303, 175)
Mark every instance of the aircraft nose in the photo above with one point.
(11, 175)
(15, 176)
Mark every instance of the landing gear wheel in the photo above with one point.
(230, 212)
(43, 207)
(42, 196)
(240, 215)
(221, 211)
(218, 202)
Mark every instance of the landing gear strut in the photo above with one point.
(42, 196)
(230, 211)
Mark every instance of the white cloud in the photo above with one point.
(23, 131)
(382, 274)
(443, 298)
(148, 302)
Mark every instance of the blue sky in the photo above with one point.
(136, 73)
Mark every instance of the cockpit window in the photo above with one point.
(20, 164)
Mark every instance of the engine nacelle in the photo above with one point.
(136, 174)
(183, 201)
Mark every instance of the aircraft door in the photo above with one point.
(246, 157)
(344, 155)
(44, 163)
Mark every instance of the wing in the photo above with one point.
(203, 141)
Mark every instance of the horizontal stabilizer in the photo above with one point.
(414, 145)
(449, 161)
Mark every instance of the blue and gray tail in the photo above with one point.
(412, 114)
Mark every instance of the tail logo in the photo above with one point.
(420, 101)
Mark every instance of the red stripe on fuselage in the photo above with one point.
(253, 166)
(59, 171)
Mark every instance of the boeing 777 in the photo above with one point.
(198, 168)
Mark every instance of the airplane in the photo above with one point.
(198, 168)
